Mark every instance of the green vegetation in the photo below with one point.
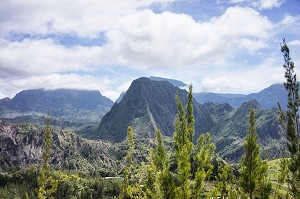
(46, 184)
(292, 123)
(254, 180)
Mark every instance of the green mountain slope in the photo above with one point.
(231, 127)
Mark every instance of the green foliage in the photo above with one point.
(184, 129)
(281, 177)
(226, 181)
(292, 124)
(47, 185)
(159, 181)
(254, 180)
(190, 115)
(204, 154)
(130, 187)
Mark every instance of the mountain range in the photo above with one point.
(268, 97)
(147, 105)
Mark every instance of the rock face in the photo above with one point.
(21, 145)
(148, 105)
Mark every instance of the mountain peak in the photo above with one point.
(147, 105)
(176, 83)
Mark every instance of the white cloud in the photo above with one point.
(137, 39)
(236, 1)
(148, 40)
(294, 43)
(267, 4)
(83, 18)
(107, 86)
(246, 80)
(144, 40)
(33, 57)
(217, 84)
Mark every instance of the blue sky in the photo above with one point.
(228, 46)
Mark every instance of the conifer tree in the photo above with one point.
(163, 185)
(281, 177)
(183, 138)
(183, 148)
(204, 154)
(292, 124)
(46, 184)
(190, 115)
(226, 182)
(126, 191)
(253, 170)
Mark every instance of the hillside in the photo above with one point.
(231, 125)
(21, 145)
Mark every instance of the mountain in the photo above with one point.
(234, 100)
(176, 83)
(268, 97)
(231, 125)
(147, 105)
(67, 104)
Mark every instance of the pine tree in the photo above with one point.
(292, 124)
(126, 190)
(190, 115)
(163, 185)
(47, 185)
(183, 136)
(253, 170)
(281, 177)
(226, 186)
(204, 154)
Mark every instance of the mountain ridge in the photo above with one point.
(268, 97)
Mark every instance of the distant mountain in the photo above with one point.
(234, 100)
(268, 97)
(172, 81)
(67, 104)
(147, 105)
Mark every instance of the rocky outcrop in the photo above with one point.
(22, 145)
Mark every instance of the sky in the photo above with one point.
(226, 46)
